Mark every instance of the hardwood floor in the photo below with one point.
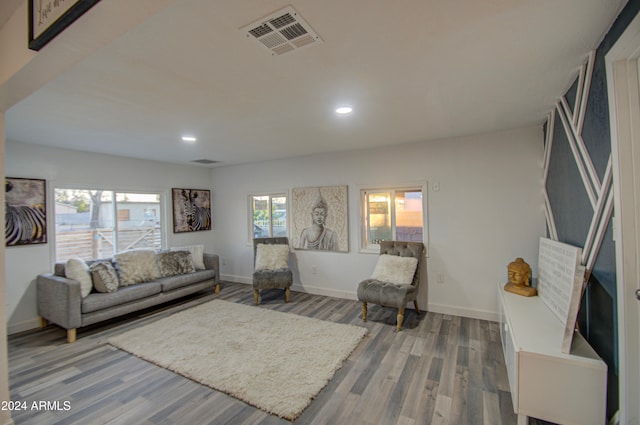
(439, 369)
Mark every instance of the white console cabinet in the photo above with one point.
(568, 389)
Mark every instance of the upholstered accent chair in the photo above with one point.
(396, 278)
(271, 266)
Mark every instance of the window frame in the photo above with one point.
(161, 212)
(250, 212)
(371, 248)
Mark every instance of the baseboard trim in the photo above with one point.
(348, 295)
(315, 290)
(25, 325)
(235, 278)
(471, 313)
(335, 293)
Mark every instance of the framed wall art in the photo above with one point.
(48, 18)
(191, 210)
(320, 218)
(25, 211)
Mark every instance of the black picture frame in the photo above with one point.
(191, 210)
(26, 211)
(48, 18)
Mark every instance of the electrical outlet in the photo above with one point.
(224, 261)
(314, 269)
(440, 278)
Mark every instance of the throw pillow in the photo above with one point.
(272, 256)
(172, 263)
(395, 269)
(105, 278)
(197, 252)
(136, 266)
(77, 269)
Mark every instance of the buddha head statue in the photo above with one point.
(519, 272)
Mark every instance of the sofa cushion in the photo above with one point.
(395, 269)
(136, 266)
(98, 301)
(104, 276)
(178, 281)
(197, 252)
(272, 257)
(77, 269)
(172, 263)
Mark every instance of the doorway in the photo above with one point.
(623, 80)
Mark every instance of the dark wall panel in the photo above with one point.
(573, 213)
(595, 131)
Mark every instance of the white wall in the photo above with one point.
(488, 211)
(5, 415)
(77, 169)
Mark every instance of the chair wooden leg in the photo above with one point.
(43, 322)
(415, 303)
(364, 311)
(256, 296)
(216, 289)
(400, 318)
(71, 335)
(287, 294)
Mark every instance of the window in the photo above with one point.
(86, 228)
(268, 215)
(392, 214)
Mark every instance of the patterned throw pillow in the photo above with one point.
(197, 252)
(77, 269)
(172, 263)
(272, 256)
(105, 278)
(136, 266)
(395, 269)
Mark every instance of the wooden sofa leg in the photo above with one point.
(43, 322)
(256, 296)
(216, 289)
(415, 303)
(287, 294)
(364, 311)
(400, 318)
(71, 335)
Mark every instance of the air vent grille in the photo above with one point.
(282, 32)
(283, 20)
(260, 31)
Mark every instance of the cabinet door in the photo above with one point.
(510, 356)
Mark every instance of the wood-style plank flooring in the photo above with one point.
(439, 369)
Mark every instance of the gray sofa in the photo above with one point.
(60, 300)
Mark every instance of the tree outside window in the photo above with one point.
(94, 224)
(268, 215)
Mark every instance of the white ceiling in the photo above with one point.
(413, 70)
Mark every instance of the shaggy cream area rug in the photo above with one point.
(277, 362)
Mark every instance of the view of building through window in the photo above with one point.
(94, 224)
(393, 215)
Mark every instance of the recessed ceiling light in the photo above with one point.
(344, 110)
(188, 139)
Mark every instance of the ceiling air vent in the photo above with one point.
(205, 161)
(282, 32)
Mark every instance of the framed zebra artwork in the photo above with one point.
(25, 211)
(191, 210)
